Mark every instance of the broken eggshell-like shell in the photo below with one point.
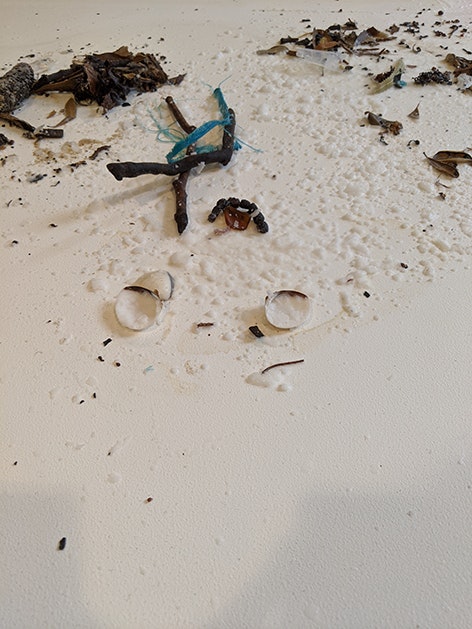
(137, 308)
(286, 309)
(160, 282)
(141, 305)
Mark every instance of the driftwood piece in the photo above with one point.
(15, 86)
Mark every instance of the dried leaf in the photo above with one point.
(392, 126)
(462, 65)
(274, 50)
(415, 113)
(70, 110)
(443, 167)
(453, 157)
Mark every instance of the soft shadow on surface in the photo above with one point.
(358, 561)
(40, 586)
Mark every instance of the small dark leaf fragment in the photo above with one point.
(62, 543)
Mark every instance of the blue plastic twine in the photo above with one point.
(192, 138)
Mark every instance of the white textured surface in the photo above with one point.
(332, 493)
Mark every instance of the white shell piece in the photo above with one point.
(287, 309)
(137, 309)
(160, 281)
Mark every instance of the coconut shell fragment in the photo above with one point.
(286, 309)
(141, 305)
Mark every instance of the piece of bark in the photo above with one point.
(15, 86)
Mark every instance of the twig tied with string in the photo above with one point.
(184, 165)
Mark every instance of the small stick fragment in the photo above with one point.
(180, 184)
(97, 151)
(289, 362)
(205, 324)
(33, 133)
(17, 122)
(178, 115)
(15, 86)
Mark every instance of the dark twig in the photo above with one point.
(178, 115)
(180, 184)
(121, 170)
(289, 362)
(180, 188)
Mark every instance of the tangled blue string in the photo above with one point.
(192, 138)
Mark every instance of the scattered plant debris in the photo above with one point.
(31, 132)
(462, 65)
(391, 126)
(433, 76)
(107, 78)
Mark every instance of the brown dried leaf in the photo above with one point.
(453, 157)
(415, 113)
(443, 167)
